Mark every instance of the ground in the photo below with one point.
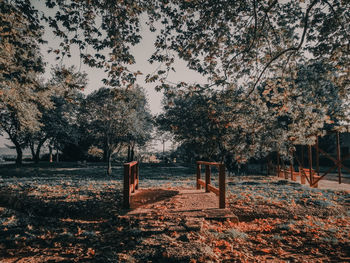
(68, 213)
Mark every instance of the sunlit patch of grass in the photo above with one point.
(232, 234)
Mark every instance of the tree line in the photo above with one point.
(277, 71)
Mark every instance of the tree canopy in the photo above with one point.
(226, 41)
(277, 71)
(114, 118)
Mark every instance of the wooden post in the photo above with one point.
(292, 173)
(302, 175)
(338, 158)
(222, 190)
(302, 155)
(198, 176)
(310, 165)
(207, 178)
(134, 175)
(126, 186)
(285, 171)
(132, 179)
(137, 177)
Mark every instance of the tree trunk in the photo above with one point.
(50, 153)
(38, 149)
(57, 157)
(37, 155)
(129, 154)
(31, 146)
(109, 162)
(132, 154)
(19, 154)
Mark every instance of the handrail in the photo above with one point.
(209, 187)
(131, 181)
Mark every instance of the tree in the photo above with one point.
(59, 123)
(189, 115)
(141, 126)
(226, 41)
(247, 42)
(282, 112)
(112, 117)
(20, 64)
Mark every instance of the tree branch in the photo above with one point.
(306, 25)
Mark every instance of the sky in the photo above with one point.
(141, 52)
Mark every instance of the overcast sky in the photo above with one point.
(142, 52)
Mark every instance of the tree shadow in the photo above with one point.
(149, 196)
(54, 230)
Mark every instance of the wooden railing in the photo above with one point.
(305, 174)
(131, 181)
(206, 184)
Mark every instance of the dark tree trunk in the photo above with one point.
(57, 156)
(32, 150)
(36, 152)
(38, 149)
(132, 153)
(129, 154)
(37, 155)
(109, 163)
(50, 153)
(19, 154)
(105, 154)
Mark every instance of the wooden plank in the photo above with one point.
(207, 178)
(126, 189)
(338, 158)
(198, 175)
(310, 164)
(137, 177)
(208, 163)
(292, 174)
(213, 189)
(201, 182)
(132, 179)
(222, 187)
(131, 163)
(303, 175)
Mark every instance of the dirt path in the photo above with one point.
(329, 184)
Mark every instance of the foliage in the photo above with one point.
(59, 123)
(226, 41)
(246, 42)
(281, 113)
(20, 64)
(189, 115)
(114, 117)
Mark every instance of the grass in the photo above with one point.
(72, 213)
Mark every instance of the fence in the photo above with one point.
(206, 184)
(303, 173)
(131, 181)
(313, 176)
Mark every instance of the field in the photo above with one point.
(72, 213)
